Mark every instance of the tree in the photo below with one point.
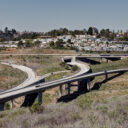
(90, 31)
(14, 31)
(69, 41)
(51, 44)
(76, 49)
(125, 37)
(59, 43)
(102, 32)
(105, 33)
(37, 43)
(2, 39)
(28, 44)
(20, 44)
(65, 31)
(112, 35)
(34, 35)
(107, 43)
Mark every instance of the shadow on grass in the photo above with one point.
(72, 96)
(99, 84)
(84, 89)
(89, 61)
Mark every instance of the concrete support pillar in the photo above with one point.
(73, 59)
(101, 60)
(2, 106)
(64, 87)
(60, 90)
(40, 97)
(78, 86)
(107, 60)
(11, 104)
(69, 88)
(88, 84)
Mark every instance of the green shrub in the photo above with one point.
(62, 64)
(74, 68)
(84, 101)
(36, 108)
(7, 106)
(67, 67)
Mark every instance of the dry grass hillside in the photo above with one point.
(105, 106)
(40, 64)
(10, 77)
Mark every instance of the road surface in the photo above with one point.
(31, 75)
(38, 88)
(33, 79)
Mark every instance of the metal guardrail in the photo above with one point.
(53, 84)
(87, 76)
(33, 83)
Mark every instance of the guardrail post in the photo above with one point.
(88, 84)
(69, 87)
(40, 97)
(106, 75)
(11, 104)
(2, 106)
(60, 90)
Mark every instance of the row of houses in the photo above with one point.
(81, 42)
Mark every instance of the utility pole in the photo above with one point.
(8, 77)
(9, 84)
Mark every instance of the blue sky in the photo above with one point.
(44, 15)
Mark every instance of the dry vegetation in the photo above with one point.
(83, 112)
(10, 77)
(37, 51)
(105, 106)
(40, 64)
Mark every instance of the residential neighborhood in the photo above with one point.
(81, 42)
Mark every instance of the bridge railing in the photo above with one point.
(52, 84)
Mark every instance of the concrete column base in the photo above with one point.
(11, 104)
(101, 60)
(88, 84)
(64, 87)
(69, 88)
(107, 60)
(106, 75)
(78, 86)
(2, 106)
(60, 90)
(40, 98)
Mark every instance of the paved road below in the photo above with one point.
(31, 76)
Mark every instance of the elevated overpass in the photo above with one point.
(42, 87)
(83, 69)
(36, 89)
